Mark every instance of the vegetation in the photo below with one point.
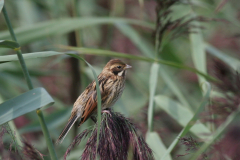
(182, 93)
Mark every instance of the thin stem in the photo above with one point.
(30, 86)
(19, 52)
(16, 133)
(47, 135)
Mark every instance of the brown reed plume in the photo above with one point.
(168, 28)
(118, 139)
(192, 145)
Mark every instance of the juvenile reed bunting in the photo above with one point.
(111, 83)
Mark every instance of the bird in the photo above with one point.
(111, 84)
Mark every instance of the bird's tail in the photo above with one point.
(66, 129)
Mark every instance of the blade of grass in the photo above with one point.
(156, 144)
(216, 134)
(54, 27)
(9, 44)
(152, 88)
(99, 102)
(198, 52)
(10, 58)
(58, 27)
(199, 58)
(100, 52)
(191, 122)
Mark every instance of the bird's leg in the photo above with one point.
(94, 119)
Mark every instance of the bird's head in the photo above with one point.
(116, 67)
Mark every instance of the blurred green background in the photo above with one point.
(124, 26)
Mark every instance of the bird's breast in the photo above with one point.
(115, 92)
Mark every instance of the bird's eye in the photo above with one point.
(119, 67)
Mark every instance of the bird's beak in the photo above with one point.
(128, 66)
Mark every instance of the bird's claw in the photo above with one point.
(106, 111)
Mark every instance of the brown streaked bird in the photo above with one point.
(111, 84)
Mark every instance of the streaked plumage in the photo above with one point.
(111, 83)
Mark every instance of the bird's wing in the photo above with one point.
(90, 107)
(91, 104)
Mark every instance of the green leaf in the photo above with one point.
(24, 103)
(9, 58)
(181, 114)
(231, 61)
(157, 146)
(1, 5)
(152, 88)
(198, 51)
(9, 44)
(191, 122)
(216, 134)
(100, 52)
(62, 26)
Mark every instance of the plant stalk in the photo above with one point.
(19, 52)
(14, 130)
(47, 135)
(30, 86)
(16, 133)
